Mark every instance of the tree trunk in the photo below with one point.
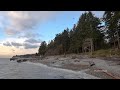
(118, 38)
(114, 44)
(82, 49)
(92, 47)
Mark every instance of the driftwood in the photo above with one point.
(91, 64)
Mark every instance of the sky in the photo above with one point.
(21, 32)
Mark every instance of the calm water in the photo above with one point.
(13, 70)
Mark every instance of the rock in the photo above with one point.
(24, 60)
(74, 57)
(19, 61)
(53, 62)
(91, 64)
(56, 59)
(77, 61)
(12, 59)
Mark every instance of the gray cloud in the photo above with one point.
(7, 44)
(32, 40)
(16, 44)
(30, 46)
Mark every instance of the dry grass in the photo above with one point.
(106, 53)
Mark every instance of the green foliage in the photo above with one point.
(111, 19)
(71, 41)
(87, 28)
(42, 49)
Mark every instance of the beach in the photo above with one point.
(30, 70)
(97, 67)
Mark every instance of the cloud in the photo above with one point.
(30, 46)
(7, 44)
(11, 32)
(17, 22)
(12, 44)
(24, 45)
(32, 40)
(22, 21)
(16, 44)
(29, 35)
(21, 43)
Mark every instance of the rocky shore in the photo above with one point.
(104, 68)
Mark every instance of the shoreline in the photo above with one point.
(71, 73)
(104, 69)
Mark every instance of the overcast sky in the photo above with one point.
(21, 32)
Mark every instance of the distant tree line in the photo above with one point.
(86, 36)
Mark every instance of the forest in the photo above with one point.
(88, 36)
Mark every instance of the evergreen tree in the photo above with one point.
(65, 40)
(112, 19)
(72, 41)
(42, 49)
